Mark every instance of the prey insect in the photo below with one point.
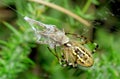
(53, 36)
(73, 53)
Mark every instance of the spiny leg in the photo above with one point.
(62, 61)
(52, 52)
(74, 65)
(55, 53)
(96, 47)
(84, 39)
(66, 59)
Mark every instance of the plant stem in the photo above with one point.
(87, 5)
(61, 9)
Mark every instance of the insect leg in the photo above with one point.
(42, 42)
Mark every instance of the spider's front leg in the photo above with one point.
(55, 53)
(84, 40)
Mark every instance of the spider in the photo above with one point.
(74, 53)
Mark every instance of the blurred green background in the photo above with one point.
(22, 58)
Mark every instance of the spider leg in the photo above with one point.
(84, 40)
(61, 59)
(63, 62)
(75, 63)
(96, 47)
(52, 51)
(55, 49)
(55, 53)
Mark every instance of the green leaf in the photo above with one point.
(11, 28)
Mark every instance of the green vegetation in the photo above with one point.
(22, 58)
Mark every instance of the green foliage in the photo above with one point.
(14, 54)
(107, 61)
(22, 58)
